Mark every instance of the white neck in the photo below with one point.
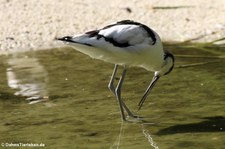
(166, 68)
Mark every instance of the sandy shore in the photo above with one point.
(33, 24)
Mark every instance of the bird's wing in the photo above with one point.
(117, 39)
(122, 34)
(129, 32)
(125, 33)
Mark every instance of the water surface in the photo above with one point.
(60, 98)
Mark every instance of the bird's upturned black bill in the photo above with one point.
(154, 80)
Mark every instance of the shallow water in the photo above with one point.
(60, 98)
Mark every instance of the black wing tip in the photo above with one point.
(70, 39)
(66, 38)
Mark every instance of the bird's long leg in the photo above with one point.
(118, 94)
(111, 82)
(118, 90)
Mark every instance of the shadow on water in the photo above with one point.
(74, 108)
(210, 124)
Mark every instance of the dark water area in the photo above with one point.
(59, 98)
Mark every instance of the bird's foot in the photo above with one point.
(134, 118)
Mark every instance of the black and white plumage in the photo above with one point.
(126, 43)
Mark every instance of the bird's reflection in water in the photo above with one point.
(28, 77)
(144, 131)
(116, 144)
(149, 137)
